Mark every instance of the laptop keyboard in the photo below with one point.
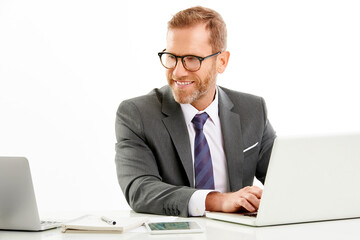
(251, 214)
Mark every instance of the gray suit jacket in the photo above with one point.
(153, 155)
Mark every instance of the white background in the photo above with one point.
(66, 65)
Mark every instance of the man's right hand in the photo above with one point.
(246, 199)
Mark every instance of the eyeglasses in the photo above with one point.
(190, 62)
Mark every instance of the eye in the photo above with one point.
(170, 57)
(168, 60)
(191, 59)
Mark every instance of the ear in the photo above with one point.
(222, 61)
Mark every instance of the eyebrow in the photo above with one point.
(188, 54)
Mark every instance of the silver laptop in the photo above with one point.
(308, 179)
(18, 209)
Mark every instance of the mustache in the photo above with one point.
(170, 76)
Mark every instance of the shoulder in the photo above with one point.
(154, 97)
(247, 105)
(241, 100)
(236, 95)
(146, 105)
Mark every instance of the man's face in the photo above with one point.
(196, 88)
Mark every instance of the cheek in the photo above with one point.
(204, 74)
(168, 74)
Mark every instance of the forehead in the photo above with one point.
(190, 40)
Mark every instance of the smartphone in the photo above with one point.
(174, 227)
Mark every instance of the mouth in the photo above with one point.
(183, 83)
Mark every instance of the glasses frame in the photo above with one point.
(182, 59)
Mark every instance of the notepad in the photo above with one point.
(91, 223)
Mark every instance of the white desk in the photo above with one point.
(215, 230)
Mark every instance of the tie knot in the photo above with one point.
(199, 120)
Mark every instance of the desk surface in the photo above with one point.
(214, 230)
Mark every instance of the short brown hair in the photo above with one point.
(197, 15)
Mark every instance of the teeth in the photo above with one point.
(183, 83)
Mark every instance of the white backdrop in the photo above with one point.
(66, 65)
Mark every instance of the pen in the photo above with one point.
(109, 221)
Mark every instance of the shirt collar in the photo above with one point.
(212, 110)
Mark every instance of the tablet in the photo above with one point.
(174, 227)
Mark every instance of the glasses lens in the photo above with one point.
(168, 60)
(192, 63)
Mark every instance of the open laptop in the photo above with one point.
(308, 179)
(18, 209)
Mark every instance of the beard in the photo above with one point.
(200, 87)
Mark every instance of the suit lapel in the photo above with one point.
(233, 142)
(176, 126)
(231, 130)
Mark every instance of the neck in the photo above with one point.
(204, 101)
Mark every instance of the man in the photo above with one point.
(192, 146)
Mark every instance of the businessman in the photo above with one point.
(193, 146)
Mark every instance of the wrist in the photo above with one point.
(214, 202)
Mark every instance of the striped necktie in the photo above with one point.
(204, 176)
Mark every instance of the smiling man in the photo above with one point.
(191, 82)
(193, 146)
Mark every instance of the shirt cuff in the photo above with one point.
(196, 205)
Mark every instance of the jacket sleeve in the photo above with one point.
(266, 147)
(137, 169)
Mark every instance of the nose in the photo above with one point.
(179, 71)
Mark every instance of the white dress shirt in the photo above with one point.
(213, 134)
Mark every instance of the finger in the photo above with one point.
(256, 191)
(245, 204)
(253, 200)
